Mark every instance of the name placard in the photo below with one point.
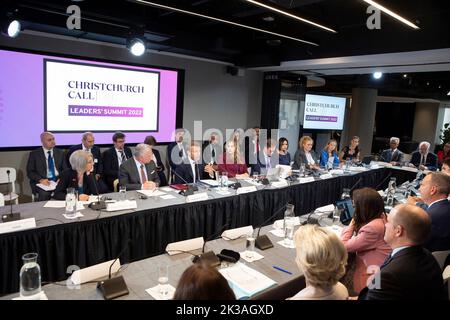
(17, 225)
(248, 189)
(326, 176)
(306, 180)
(185, 246)
(121, 205)
(197, 197)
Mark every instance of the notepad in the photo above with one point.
(50, 187)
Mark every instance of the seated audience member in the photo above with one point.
(151, 141)
(305, 154)
(44, 165)
(423, 159)
(139, 172)
(252, 145)
(113, 158)
(351, 152)
(79, 176)
(365, 235)
(284, 157)
(444, 154)
(176, 151)
(202, 282)
(266, 159)
(329, 157)
(194, 170)
(212, 150)
(87, 144)
(434, 192)
(321, 257)
(392, 155)
(411, 272)
(232, 161)
(446, 167)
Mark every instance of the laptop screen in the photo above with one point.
(347, 210)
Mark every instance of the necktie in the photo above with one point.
(122, 157)
(213, 154)
(269, 165)
(143, 177)
(180, 153)
(257, 145)
(51, 167)
(422, 161)
(389, 159)
(386, 262)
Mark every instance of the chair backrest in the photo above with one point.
(440, 257)
(284, 291)
(115, 184)
(12, 177)
(407, 157)
(2, 200)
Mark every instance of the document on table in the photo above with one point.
(55, 204)
(246, 281)
(151, 193)
(51, 187)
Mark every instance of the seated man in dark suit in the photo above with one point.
(113, 158)
(44, 165)
(423, 159)
(176, 151)
(434, 191)
(411, 272)
(195, 170)
(139, 172)
(266, 159)
(392, 155)
(87, 144)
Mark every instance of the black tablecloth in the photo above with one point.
(146, 233)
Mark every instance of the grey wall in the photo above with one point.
(425, 122)
(211, 95)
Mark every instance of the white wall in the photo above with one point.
(210, 94)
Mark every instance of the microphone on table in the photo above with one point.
(384, 180)
(11, 216)
(190, 187)
(115, 287)
(99, 204)
(354, 186)
(263, 242)
(209, 257)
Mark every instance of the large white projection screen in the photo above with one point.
(324, 112)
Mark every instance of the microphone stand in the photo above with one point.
(99, 204)
(12, 216)
(115, 287)
(263, 242)
(209, 257)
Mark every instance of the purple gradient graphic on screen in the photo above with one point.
(22, 102)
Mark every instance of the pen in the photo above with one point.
(282, 270)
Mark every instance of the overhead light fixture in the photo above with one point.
(428, 83)
(392, 14)
(157, 5)
(448, 93)
(291, 15)
(377, 75)
(136, 47)
(11, 27)
(405, 76)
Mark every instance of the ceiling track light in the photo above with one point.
(10, 26)
(290, 15)
(377, 75)
(157, 5)
(392, 14)
(136, 46)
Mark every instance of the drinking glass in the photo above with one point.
(302, 169)
(71, 202)
(224, 181)
(250, 246)
(122, 193)
(289, 231)
(163, 279)
(255, 176)
(30, 276)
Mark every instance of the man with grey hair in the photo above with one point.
(139, 172)
(392, 155)
(434, 191)
(87, 144)
(44, 165)
(410, 272)
(423, 159)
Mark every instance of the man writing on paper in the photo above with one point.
(44, 165)
(194, 170)
(139, 172)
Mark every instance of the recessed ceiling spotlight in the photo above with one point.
(269, 19)
(405, 75)
(428, 83)
(273, 42)
(11, 28)
(136, 46)
(377, 75)
(440, 87)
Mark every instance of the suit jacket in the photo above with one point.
(98, 163)
(250, 154)
(388, 156)
(431, 161)
(175, 159)
(130, 177)
(185, 171)
(111, 165)
(261, 166)
(161, 174)
(412, 274)
(207, 153)
(370, 249)
(324, 158)
(300, 157)
(439, 213)
(37, 165)
(68, 179)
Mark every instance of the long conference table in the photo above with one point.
(100, 236)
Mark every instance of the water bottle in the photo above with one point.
(71, 202)
(288, 214)
(30, 276)
(345, 194)
(391, 192)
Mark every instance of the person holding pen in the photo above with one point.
(321, 257)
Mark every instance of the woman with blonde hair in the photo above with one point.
(232, 161)
(321, 257)
(305, 154)
(352, 151)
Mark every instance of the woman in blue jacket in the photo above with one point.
(329, 157)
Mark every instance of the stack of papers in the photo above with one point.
(245, 281)
(50, 187)
(151, 193)
(210, 182)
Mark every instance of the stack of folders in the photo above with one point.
(245, 281)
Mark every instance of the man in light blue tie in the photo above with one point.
(393, 155)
